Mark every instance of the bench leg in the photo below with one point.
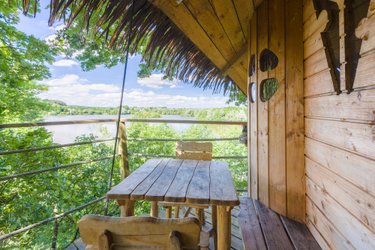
(154, 209)
(126, 208)
(177, 212)
(168, 212)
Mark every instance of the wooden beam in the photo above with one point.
(234, 60)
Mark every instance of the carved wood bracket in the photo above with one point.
(342, 46)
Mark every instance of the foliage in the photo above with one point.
(22, 62)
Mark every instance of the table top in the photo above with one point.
(174, 180)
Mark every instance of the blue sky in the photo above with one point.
(102, 86)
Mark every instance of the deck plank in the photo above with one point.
(300, 235)
(273, 229)
(251, 230)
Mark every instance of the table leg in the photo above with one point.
(126, 208)
(154, 209)
(224, 223)
(214, 223)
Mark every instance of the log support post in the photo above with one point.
(123, 151)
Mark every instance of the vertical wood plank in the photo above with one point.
(253, 121)
(263, 109)
(294, 111)
(276, 110)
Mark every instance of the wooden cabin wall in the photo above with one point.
(276, 151)
(339, 141)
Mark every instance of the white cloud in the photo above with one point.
(156, 81)
(74, 90)
(65, 63)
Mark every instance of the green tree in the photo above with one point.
(22, 63)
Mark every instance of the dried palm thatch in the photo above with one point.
(161, 41)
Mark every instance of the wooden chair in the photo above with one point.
(190, 151)
(194, 150)
(105, 233)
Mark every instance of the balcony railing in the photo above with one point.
(123, 156)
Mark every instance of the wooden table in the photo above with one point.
(187, 181)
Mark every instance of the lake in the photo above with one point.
(67, 133)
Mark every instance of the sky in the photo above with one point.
(102, 87)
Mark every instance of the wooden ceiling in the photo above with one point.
(219, 28)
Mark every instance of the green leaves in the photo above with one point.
(22, 63)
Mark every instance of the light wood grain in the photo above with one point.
(355, 137)
(161, 185)
(253, 121)
(194, 150)
(332, 238)
(205, 15)
(143, 187)
(308, 10)
(359, 105)
(245, 11)
(138, 232)
(178, 188)
(194, 146)
(199, 187)
(365, 71)
(123, 190)
(353, 231)
(320, 83)
(225, 10)
(294, 128)
(223, 228)
(263, 169)
(356, 169)
(314, 43)
(365, 31)
(276, 109)
(317, 236)
(314, 23)
(315, 64)
(225, 193)
(359, 203)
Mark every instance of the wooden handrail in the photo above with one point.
(57, 123)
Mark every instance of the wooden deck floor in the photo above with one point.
(271, 230)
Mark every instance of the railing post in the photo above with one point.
(123, 151)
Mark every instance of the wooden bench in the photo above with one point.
(105, 233)
(262, 228)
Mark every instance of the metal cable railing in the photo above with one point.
(79, 163)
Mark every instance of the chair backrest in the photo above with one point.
(194, 150)
(103, 232)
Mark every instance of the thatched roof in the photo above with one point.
(165, 43)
